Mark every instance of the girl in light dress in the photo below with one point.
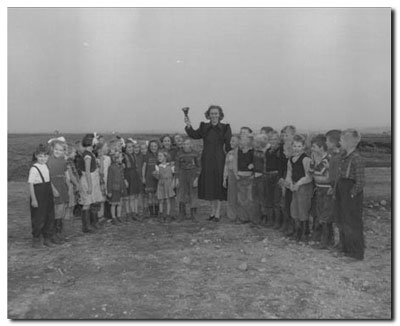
(164, 173)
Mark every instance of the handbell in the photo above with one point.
(185, 111)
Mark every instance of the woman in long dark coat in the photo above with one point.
(216, 143)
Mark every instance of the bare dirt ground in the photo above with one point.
(197, 270)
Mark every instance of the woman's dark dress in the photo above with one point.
(212, 158)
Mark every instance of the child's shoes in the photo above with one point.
(49, 243)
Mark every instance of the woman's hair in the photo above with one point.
(334, 136)
(221, 113)
(320, 141)
(87, 140)
(40, 149)
(152, 141)
(299, 139)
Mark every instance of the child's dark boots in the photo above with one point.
(86, 221)
(278, 219)
(324, 237)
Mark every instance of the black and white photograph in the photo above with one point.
(208, 163)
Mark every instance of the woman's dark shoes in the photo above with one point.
(211, 218)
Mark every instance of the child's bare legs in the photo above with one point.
(124, 209)
(217, 209)
(101, 210)
(136, 204)
(119, 210)
(145, 204)
(60, 214)
(133, 206)
(152, 204)
(212, 209)
(114, 213)
(168, 200)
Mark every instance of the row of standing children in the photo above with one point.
(275, 181)
(99, 177)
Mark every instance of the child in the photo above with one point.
(333, 145)
(245, 132)
(164, 173)
(90, 186)
(230, 179)
(285, 152)
(187, 169)
(349, 195)
(80, 167)
(72, 181)
(116, 187)
(166, 142)
(299, 182)
(259, 183)
(319, 170)
(178, 142)
(150, 182)
(103, 163)
(133, 179)
(41, 199)
(139, 165)
(274, 157)
(145, 196)
(244, 183)
(58, 175)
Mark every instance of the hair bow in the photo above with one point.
(62, 139)
(95, 140)
(122, 141)
(132, 140)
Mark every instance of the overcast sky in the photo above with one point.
(131, 70)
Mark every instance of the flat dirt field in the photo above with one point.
(197, 269)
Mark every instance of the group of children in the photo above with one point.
(280, 180)
(117, 180)
(286, 181)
